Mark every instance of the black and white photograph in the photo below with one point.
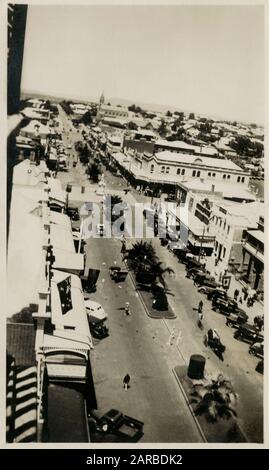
(135, 224)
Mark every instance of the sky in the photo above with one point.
(205, 59)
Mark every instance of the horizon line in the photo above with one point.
(138, 102)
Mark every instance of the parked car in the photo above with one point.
(95, 310)
(248, 333)
(235, 320)
(99, 330)
(225, 306)
(117, 423)
(259, 367)
(192, 273)
(192, 263)
(205, 280)
(100, 230)
(256, 349)
(73, 213)
(219, 292)
(208, 289)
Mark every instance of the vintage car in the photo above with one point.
(257, 350)
(117, 423)
(117, 274)
(206, 281)
(259, 367)
(192, 263)
(219, 292)
(99, 330)
(235, 320)
(248, 333)
(73, 213)
(193, 272)
(225, 306)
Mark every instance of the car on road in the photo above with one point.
(256, 349)
(235, 320)
(259, 367)
(116, 422)
(73, 213)
(192, 263)
(248, 333)
(225, 306)
(192, 273)
(206, 280)
(100, 230)
(95, 310)
(217, 293)
(208, 289)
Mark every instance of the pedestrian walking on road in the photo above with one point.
(200, 306)
(126, 382)
(127, 308)
(200, 320)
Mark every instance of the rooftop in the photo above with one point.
(228, 190)
(210, 162)
(25, 241)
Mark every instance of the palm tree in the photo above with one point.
(115, 199)
(159, 272)
(216, 400)
(141, 257)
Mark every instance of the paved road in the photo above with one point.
(148, 358)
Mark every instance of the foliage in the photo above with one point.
(132, 126)
(94, 171)
(142, 258)
(169, 114)
(180, 115)
(136, 109)
(66, 107)
(244, 146)
(191, 116)
(216, 400)
(86, 118)
(162, 129)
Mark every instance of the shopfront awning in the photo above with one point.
(61, 219)
(68, 261)
(73, 324)
(61, 238)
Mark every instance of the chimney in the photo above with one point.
(213, 188)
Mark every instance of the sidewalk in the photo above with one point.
(257, 308)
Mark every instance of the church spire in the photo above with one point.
(102, 99)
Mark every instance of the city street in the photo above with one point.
(139, 345)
